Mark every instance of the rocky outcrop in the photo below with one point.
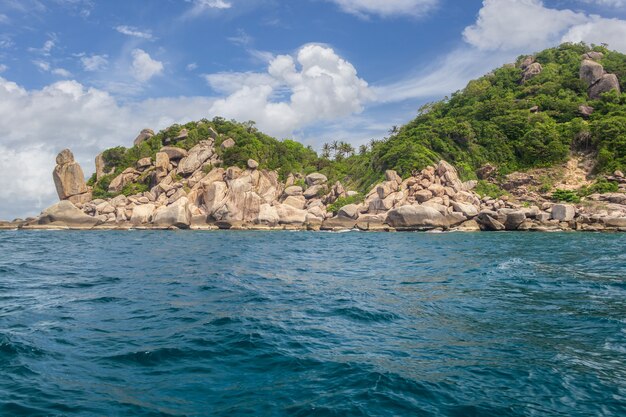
(608, 82)
(596, 78)
(69, 179)
(188, 189)
(143, 136)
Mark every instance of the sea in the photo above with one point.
(235, 323)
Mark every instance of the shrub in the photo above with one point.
(566, 196)
(344, 201)
(487, 189)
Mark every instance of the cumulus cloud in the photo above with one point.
(94, 62)
(45, 66)
(134, 32)
(144, 67)
(314, 86)
(386, 8)
(202, 6)
(523, 25)
(608, 3)
(37, 124)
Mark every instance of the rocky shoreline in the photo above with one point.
(189, 193)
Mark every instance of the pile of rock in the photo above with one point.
(189, 189)
(597, 79)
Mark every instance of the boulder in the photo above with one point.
(468, 210)
(531, 71)
(144, 163)
(608, 82)
(416, 218)
(591, 72)
(315, 191)
(585, 111)
(293, 190)
(162, 163)
(252, 164)
(68, 176)
(126, 177)
(468, 226)
(563, 212)
(289, 215)
(298, 202)
(338, 223)
(487, 221)
(174, 153)
(593, 55)
(268, 215)
(227, 144)
(176, 215)
(315, 179)
(68, 214)
(423, 196)
(197, 156)
(614, 221)
(100, 166)
(143, 136)
(214, 196)
(391, 175)
(351, 211)
(514, 220)
(142, 214)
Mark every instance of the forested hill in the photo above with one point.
(532, 113)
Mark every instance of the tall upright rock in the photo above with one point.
(69, 179)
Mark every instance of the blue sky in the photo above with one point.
(89, 74)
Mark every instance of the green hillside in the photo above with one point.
(500, 119)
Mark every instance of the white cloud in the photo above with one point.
(191, 67)
(450, 73)
(608, 3)
(386, 8)
(144, 67)
(61, 72)
(231, 82)
(316, 86)
(42, 65)
(45, 49)
(4, 18)
(3, 68)
(46, 67)
(599, 30)
(203, 6)
(135, 32)
(94, 62)
(528, 25)
(37, 124)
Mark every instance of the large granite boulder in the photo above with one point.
(68, 214)
(174, 153)
(143, 136)
(175, 215)
(416, 218)
(197, 156)
(591, 72)
(608, 82)
(142, 214)
(563, 212)
(126, 177)
(315, 179)
(69, 178)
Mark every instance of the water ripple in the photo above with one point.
(312, 324)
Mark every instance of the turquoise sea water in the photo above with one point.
(312, 324)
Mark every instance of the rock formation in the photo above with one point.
(69, 179)
(596, 78)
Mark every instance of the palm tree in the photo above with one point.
(326, 151)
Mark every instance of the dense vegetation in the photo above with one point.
(490, 121)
